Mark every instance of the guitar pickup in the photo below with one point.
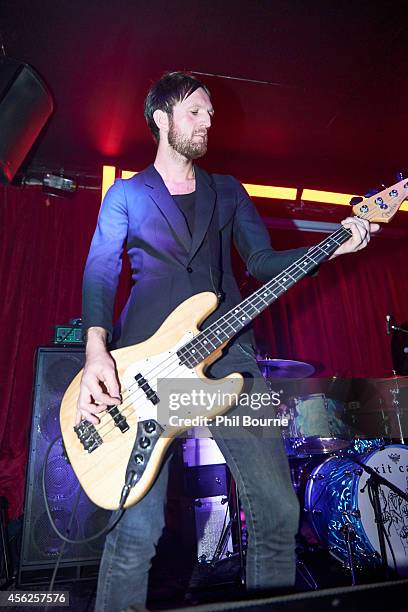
(148, 391)
(118, 418)
(88, 436)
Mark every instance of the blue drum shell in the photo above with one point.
(331, 500)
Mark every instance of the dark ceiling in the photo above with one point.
(332, 116)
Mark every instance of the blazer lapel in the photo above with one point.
(161, 196)
(204, 209)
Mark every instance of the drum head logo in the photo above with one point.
(394, 457)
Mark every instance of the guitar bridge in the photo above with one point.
(88, 436)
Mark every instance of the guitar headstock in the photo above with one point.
(382, 206)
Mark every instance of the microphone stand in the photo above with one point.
(396, 405)
(374, 481)
(395, 391)
(397, 328)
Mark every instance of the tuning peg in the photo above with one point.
(399, 176)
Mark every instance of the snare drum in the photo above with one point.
(318, 425)
(336, 496)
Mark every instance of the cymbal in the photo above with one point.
(285, 368)
(391, 380)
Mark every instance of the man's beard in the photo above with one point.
(184, 145)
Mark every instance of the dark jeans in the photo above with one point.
(259, 466)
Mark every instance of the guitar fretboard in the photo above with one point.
(227, 326)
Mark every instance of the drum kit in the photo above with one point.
(345, 442)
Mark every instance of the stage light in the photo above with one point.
(108, 178)
(326, 197)
(127, 174)
(259, 191)
(266, 191)
(58, 185)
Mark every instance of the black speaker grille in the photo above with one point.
(61, 371)
(55, 368)
(46, 542)
(61, 482)
(49, 420)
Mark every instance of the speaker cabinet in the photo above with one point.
(54, 370)
(25, 106)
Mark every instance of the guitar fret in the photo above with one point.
(234, 314)
(283, 283)
(236, 319)
(205, 342)
(259, 303)
(299, 273)
(231, 326)
(255, 309)
(194, 350)
(262, 299)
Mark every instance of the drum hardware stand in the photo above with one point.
(396, 405)
(385, 419)
(374, 481)
(235, 516)
(296, 474)
(390, 326)
(374, 487)
(349, 534)
(306, 575)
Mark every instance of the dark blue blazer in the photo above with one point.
(168, 265)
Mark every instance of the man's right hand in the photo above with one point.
(99, 386)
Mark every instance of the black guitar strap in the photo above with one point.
(214, 245)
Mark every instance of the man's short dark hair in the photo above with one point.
(173, 87)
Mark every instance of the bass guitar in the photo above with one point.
(117, 461)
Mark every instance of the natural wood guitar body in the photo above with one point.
(102, 472)
(128, 445)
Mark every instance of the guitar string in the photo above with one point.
(312, 251)
(159, 367)
(124, 409)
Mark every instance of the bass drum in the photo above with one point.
(337, 496)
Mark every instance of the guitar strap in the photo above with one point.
(214, 245)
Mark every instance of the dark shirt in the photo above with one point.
(186, 203)
(168, 265)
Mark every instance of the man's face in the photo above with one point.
(189, 125)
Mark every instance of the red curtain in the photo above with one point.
(334, 321)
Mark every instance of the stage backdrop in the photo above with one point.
(334, 321)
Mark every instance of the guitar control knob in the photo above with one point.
(139, 459)
(149, 427)
(144, 442)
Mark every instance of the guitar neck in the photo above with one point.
(227, 326)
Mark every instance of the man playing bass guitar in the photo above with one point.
(165, 215)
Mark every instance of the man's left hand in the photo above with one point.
(361, 232)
